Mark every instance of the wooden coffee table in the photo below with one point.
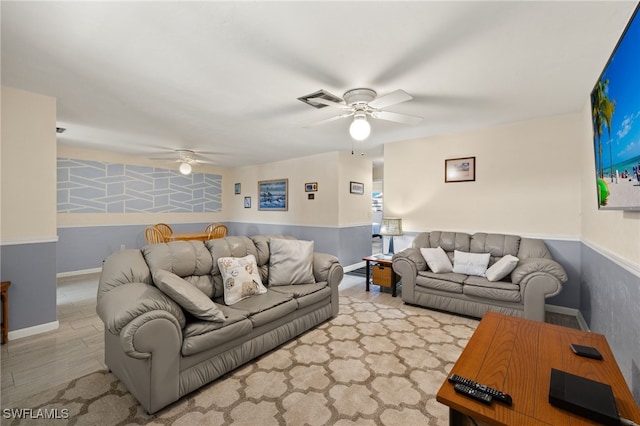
(515, 356)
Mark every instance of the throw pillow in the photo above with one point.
(470, 263)
(502, 268)
(188, 296)
(240, 277)
(290, 262)
(437, 260)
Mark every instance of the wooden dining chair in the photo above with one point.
(165, 230)
(210, 227)
(218, 231)
(153, 235)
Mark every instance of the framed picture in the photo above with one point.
(356, 188)
(273, 195)
(460, 169)
(237, 188)
(311, 187)
(311, 196)
(247, 202)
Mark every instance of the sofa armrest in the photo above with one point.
(538, 266)
(406, 264)
(327, 268)
(414, 257)
(126, 308)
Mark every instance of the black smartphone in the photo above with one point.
(586, 351)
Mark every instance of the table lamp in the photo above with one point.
(391, 227)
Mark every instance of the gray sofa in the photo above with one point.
(161, 352)
(521, 293)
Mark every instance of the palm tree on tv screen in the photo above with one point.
(603, 109)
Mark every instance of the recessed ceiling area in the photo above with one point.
(225, 77)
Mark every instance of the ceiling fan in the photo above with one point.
(361, 103)
(187, 158)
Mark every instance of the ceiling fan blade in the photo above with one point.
(395, 97)
(330, 103)
(398, 118)
(328, 120)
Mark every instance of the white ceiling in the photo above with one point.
(224, 77)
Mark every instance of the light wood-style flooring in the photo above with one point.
(33, 364)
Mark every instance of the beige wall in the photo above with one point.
(28, 162)
(332, 206)
(616, 233)
(89, 219)
(527, 180)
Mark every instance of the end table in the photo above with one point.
(383, 273)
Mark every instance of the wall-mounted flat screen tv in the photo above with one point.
(615, 113)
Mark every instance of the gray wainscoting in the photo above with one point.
(610, 304)
(84, 248)
(31, 268)
(567, 254)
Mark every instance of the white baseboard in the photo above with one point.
(355, 266)
(78, 273)
(31, 331)
(569, 311)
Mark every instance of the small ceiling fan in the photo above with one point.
(361, 103)
(187, 158)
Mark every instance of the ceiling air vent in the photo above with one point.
(308, 99)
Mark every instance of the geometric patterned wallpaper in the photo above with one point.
(97, 187)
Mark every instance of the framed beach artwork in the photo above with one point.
(460, 169)
(236, 188)
(247, 202)
(273, 195)
(311, 187)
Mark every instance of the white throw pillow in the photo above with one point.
(240, 277)
(290, 262)
(188, 296)
(470, 263)
(437, 260)
(502, 268)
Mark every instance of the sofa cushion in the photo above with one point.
(470, 263)
(267, 307)
(200, 342)
(501, 290)
(436, 281)
(240, 277)
(437, 260)
(187, 259)
(305, 294)
(502, 268)
(497, 244)
(187, 296)
(196, 328)
(290, 262)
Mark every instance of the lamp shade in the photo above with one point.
(360, 128)
(391, 226)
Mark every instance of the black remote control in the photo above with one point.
(485, 398)
(496, 394)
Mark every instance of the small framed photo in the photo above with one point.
(460, 169)
(356, 188)
(273, 195)
(311, 187)
(247, 202)
(237, 188)
(311, 196)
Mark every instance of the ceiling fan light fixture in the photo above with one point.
(185, 168)
(360, 128)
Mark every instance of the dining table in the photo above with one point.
(186, 236)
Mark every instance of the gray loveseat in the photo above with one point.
(162, 352)
(521, 293)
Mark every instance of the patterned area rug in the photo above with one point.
(371, 365)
